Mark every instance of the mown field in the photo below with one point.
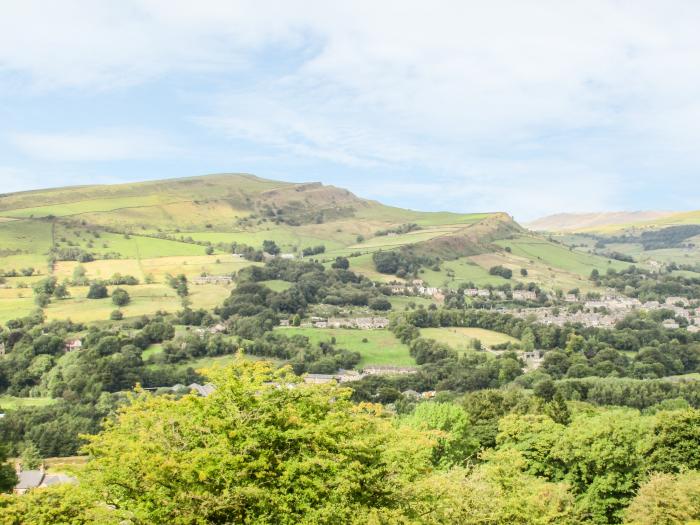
(13, 403)
(377, 347)
(462, 338)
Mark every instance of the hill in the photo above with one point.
(575, 222)
(613, 222)
(202, 225)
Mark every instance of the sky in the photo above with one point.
(528, 107)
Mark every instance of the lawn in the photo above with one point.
(277, 285)
(461, 338)
(381, 348)
(13, 403)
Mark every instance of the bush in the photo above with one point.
(380, 304)
(116, 315)
(97, 291)
(120, 297)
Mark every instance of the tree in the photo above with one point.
(120, 297)
(523, 272)
(380, 304)
(116, 315)
(455, 445)
(42, 300)
(341, 263)
(31, 457)
(271, 247)
(252, 452)
(545, 390)
(674, 446)
(558, 410)
(97, 290)
(8, 478)
(666, 500)
(61, 291)
(209, 250)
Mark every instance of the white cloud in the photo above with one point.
(506, 100)
(99, 145)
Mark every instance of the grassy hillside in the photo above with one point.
(187, 226)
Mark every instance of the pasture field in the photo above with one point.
(287, 238)
(402, 302)
(24, 244)
(363, 264)
(13, 403)
(381, 348)
(191, 266)
(460, 271)
(85, 206)
(15, 303)
(554, 255)
(146, 299)
(277, 285)
(545, 276)
(461, 338)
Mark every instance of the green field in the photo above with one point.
(13, 403)
(381, 348)
(461, 338)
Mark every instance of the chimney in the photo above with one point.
(18, 467)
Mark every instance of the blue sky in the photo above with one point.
(526, 107)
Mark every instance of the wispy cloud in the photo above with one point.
(98, 145)
(589, 103)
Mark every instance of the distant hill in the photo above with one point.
(608, 221)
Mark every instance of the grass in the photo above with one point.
(146, 299)
(277, 285)
(401, 302)
(462, 338)
(454, 273)
(381, 348)
(13, 403)
(151, 351)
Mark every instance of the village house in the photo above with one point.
(570, 298)
(471, 292)
(693, 329)
(201, 390)
(33, 479)
(524, 295)
(389, 370)
(73, 344)
(670, 324)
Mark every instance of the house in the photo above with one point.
(287, 256)
(693, 329)
(389, 370)
(202, 390)
(524, 295)
(471, 292)
(74, 344)
(570, 298)
(284, 322)
(33, 479)
(670, 324)
(217, 329)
